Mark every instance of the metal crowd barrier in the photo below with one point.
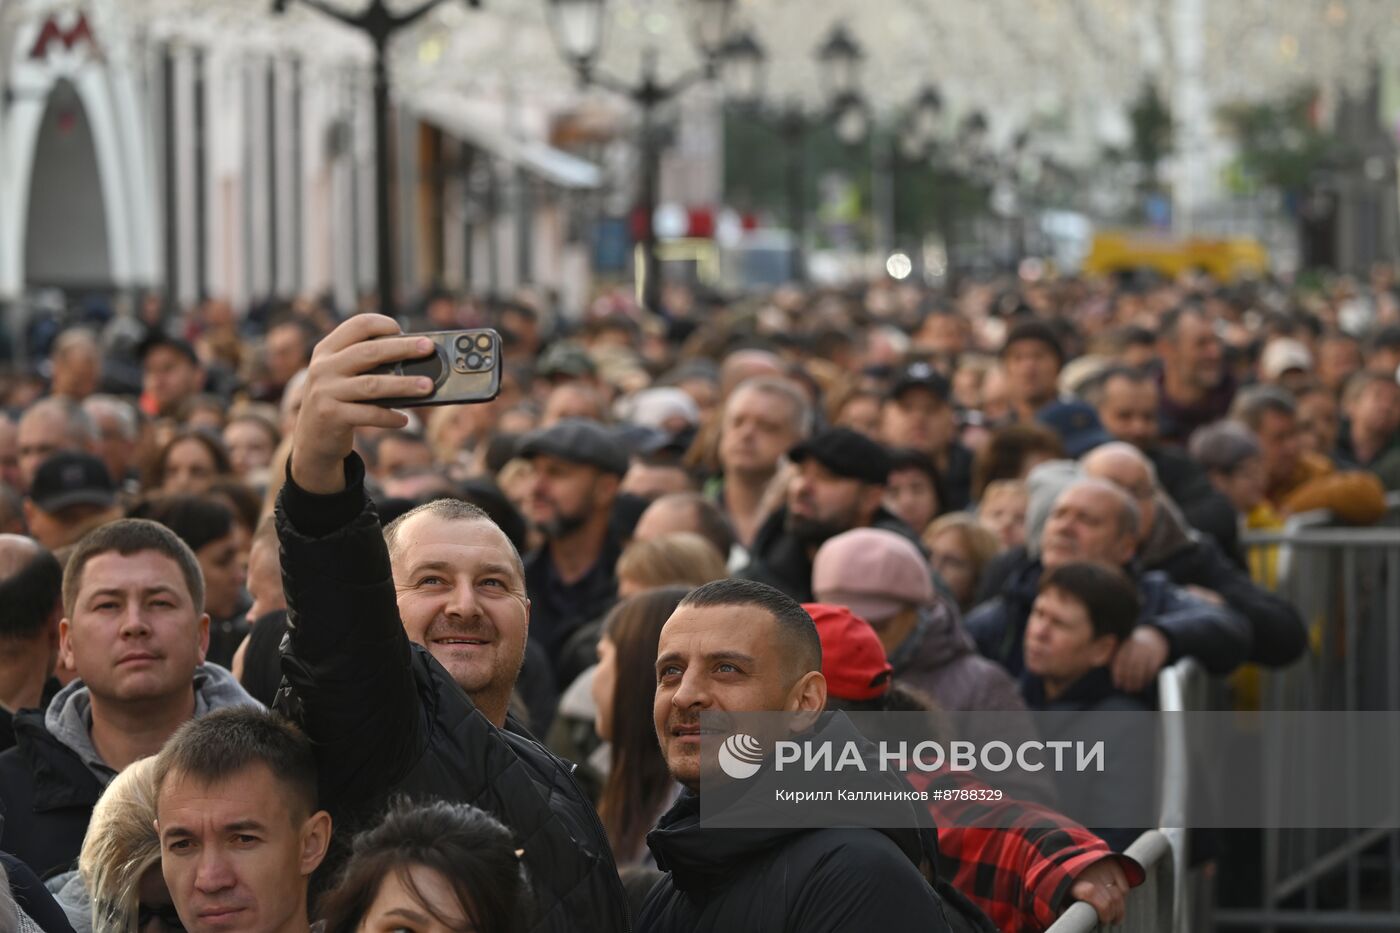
(1151, 905)
(1163, 901)
(1345, 582)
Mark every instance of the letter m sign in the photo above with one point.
(52, 32)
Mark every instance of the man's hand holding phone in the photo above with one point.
(342, 394)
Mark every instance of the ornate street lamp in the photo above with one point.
(841, 58)
(380, 25)
(742, 63)
(577, 26)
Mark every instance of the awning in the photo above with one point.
(454, 116)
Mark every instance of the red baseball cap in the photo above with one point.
(853, 660)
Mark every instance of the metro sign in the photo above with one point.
(69, 38)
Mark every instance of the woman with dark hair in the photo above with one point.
(436, 867)
(189, 462)
(638, 786)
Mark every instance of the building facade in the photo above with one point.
(203, 156)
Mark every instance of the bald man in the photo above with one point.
(30, 585)
(1194, 561)
(742, 365)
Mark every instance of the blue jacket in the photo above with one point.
(1216, 636)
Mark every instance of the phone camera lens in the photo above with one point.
(464, 343)
(483, 342)
(473, 360)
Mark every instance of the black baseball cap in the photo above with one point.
(1037, 330)
(846, 453)
(578, 440)
(70, 478)
(920, 376)
(160, 338)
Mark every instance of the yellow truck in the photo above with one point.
(1223, 259)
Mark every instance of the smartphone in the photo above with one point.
(465, 367)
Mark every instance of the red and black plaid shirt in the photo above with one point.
(1014, 859)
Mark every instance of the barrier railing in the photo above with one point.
(1162, 902)
(1345, 582)
(1151, 905)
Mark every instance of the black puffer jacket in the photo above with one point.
(1278, 636)
(387, 719)
(48, 795)
(772, 880)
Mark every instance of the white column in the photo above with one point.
(184, 169)
(364, 186)
(1191, 112)
(283, 172)
(258, 178)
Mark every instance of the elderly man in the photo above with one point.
(49, 426)
(118, 430)
(1128, 401)
(763, 419)
(1194, 561)
(1095, 520)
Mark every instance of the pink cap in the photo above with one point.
(875, 573)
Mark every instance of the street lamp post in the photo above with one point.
(380, 25)
(578, 31)
(743, 61)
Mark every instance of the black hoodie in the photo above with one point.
(768, 880)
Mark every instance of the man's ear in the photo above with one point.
(808, 695)
(65, 645)
(203, 636)
(315, 841)
(1127, 547)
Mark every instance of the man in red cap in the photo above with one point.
(1020, 862)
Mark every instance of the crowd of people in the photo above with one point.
(277, 657)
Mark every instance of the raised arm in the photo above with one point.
(346, 659)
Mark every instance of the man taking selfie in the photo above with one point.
(404, 645)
